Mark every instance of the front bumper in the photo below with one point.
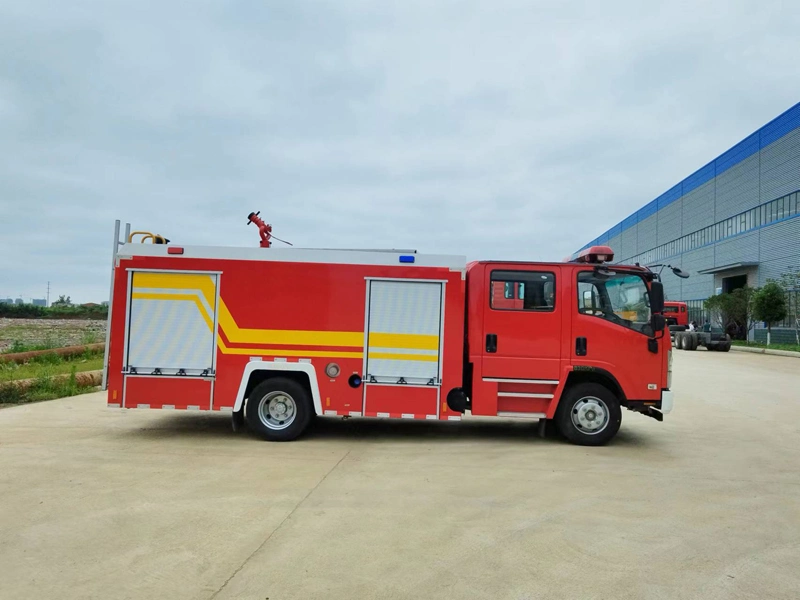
(667, 401)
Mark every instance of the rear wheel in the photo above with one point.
(683, 341)
(589, 414)
(279, 409)
(694, 341)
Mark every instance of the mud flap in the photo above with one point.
(237, 419)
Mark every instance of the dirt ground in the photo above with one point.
(105, 503)
(55, 332)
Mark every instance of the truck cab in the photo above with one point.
(676, 313)
(574, 342)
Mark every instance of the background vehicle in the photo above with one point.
(279, 335)
(692, 340)
(675, 313)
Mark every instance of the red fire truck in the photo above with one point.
(277, 336)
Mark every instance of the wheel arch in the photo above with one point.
(257, 371)
(595, 375)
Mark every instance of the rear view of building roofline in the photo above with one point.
(733, 222)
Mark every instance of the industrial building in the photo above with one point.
(733, 222)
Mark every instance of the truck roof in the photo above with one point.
(557, 264)
(298, 255)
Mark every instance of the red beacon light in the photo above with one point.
(595, 255)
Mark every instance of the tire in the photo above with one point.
(578, 412)
(694, 341)
(290, 414)
(683, 341)
(724, 347)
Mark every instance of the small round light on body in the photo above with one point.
(332, 370)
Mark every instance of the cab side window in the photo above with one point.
(523, 290)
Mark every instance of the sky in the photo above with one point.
(511, 129)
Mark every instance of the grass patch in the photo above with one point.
(90, 337)
(42, 369)
(49, 365)
(44, 388)
(790, 347)
(48, 343)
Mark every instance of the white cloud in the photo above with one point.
(505, 129)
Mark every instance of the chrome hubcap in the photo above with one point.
(277, 410)
(590, 415)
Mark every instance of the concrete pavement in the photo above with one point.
(98, 503)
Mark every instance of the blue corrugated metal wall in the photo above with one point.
(762, 168)
(773, 131)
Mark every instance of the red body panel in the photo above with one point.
(171, 392)
(398, 401)
(304, 297)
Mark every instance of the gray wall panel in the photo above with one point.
(737, 188)
(742, 248)
(698, 208)
(669, 223)
(672, 284)
(779, 248)
(773, 269)
(780, 167)
(627, 247)
(697, 286)
(646, 234)
(615, 246)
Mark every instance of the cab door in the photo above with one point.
(522, 322)
(611, 331)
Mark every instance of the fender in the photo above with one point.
(261, 365)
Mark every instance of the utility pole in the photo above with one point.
(48, 294)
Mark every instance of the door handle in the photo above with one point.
(491, 342)
(580, 346)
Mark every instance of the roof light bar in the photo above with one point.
(596, 255)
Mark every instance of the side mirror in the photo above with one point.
(680, 273)
(658, 322)
(657, 297)
(587, 300)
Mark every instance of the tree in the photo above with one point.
(62, 301)
(733, 311)
(769, 305)
(790, 282)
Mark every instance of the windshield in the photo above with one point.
(670, 309)
(621, 298)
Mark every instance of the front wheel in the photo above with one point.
(589, 414)
(279, 409)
